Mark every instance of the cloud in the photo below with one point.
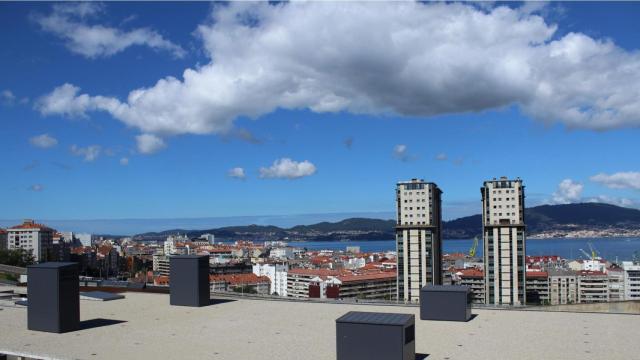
(124, 161)
(568, 191)
(237, 173)
(348, 142)
(36, 187)
(7, 97)
(149, 144)
(70, 22)
(43, 141)
(90, 153)
(619, 180)
(286, 168)
(441, 157)
(400, 152)
(624, 202)
(412, 59)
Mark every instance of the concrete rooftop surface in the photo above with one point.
(145, 326)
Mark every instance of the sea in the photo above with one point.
(612, 249)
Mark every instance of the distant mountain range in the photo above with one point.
(559, 220)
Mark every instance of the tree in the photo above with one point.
(16, 257)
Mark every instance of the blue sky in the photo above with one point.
(320, 119)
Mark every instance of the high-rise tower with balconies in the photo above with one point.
(418, 237)
(504, 241)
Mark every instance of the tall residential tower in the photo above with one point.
(504, 241)
(418, 237)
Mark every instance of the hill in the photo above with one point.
(554, 219)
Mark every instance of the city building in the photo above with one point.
(84, 239)
(281, 253)
(593, 287)
(631, 280)
(3, 239)
(418, 237)
(504, 241)
(563, 287)
(473, 278)
(241, 283)
(537, 284)
(616, 283)
(210, 238)
(277, 274)
(367, 285)
(33, 237)
(298, 281)
(161, 265)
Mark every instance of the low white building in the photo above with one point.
(277, 274)
(210, 238)
(631, 280)
(281, 253)
(83, 238)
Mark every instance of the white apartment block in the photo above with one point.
(84, 238)
(504, 241)
(563, 287)
(616, 284)
(210, 238)
(593, 287)
(36, 238)
(277, 273)
(418, 237)
(631, 280)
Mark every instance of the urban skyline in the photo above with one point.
(69, 147)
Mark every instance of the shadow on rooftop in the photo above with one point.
(421, 356)
(98, 322)
(220, 301)
(473, 316)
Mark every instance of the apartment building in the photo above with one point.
(241, 283)
(33, 237)
(367, 285)
(418, 237)
(563, 287)
(277, 274)
(504, 241)
(474, 278)
(593, 287)
(298, 281)
(631, 280)
(537, 284)
(3, 239)
(616, 283)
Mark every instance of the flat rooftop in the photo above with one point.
(145, 326)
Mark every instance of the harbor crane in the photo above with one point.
(474, 247)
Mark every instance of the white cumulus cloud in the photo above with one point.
(124, 161)
(43, 141)
(619, 180)
(89, 153)
(149, 144)
(412, 59)
(237, 173)
(70, 22)
(286, 168)
(568, 191)
(441, 157)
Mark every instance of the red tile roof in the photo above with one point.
(238, 279)
(314, 272)
(470, 273)
(367, 276)
(537, 274)
(30, 224)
